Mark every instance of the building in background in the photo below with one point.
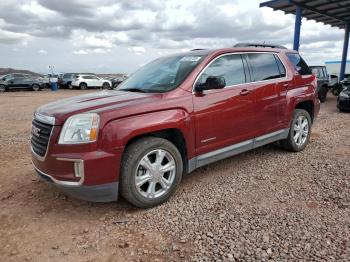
(333, 67)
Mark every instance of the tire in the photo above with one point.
(2, 89)
(106, 85)
(35, 87)
(69, 85)
(322, 94)
(291, 143)
(140, 158)
(83, 86)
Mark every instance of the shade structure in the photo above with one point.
(335, 13)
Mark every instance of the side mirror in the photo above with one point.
(212, 82)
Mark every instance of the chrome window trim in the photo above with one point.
(252, 82)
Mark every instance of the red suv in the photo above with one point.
(174, 115)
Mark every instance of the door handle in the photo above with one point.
(244, 92)
(285, 85)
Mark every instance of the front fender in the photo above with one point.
(117, 133)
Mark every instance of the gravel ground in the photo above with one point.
(266, 204)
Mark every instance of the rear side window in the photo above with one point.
(299, 64)
(230, 67)
(264, 66)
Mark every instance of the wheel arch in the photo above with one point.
(172, 125)
(308, 106)
(173, 135)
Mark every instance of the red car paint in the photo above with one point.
(259, 108)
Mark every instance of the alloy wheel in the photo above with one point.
(301, 130)
(155, 174)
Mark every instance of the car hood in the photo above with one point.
(94, 102)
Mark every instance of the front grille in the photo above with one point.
(40, 137)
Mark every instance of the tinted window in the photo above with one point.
(87, 77)
(281, 67)
(299, 64)
(318, 72)
(264, 66)
(230, 67)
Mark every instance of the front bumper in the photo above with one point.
(107, 192)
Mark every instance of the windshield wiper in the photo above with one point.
(134, 90)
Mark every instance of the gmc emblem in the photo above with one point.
(35, 131)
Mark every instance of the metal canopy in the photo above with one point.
(330, 12)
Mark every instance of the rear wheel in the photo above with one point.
(151, 170)
(83, 86)
(2, 88)
(106, 85)
(35, 87)
(299, 132)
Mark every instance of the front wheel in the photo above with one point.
(322, 94)
(299, 132)
(83, 86)
(2, 88)
(35, 87)
(151, 170)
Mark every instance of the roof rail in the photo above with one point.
(198, 49)
(259, 45)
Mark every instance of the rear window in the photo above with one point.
(299, 64)
(264, 66)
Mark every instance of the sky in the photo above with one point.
(106, 36)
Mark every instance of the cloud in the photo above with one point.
(42, 51)
(98, 27)
(80, 52)
(138, 50)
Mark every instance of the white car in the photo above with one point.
(87, 81)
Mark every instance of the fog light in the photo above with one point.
(79, 169)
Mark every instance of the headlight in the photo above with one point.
(343, 94)
(79, 129)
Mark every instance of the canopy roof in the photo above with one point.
(330, 12)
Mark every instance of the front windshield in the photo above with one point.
(161, 75)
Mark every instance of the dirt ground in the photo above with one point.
(287, 201)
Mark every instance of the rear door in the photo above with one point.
(96, 82)
(224, 117)
(270, 82)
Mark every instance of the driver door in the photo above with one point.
(225, 117)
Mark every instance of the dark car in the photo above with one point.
(66, 80)
(172, 116)
(19, 81)
(117, 81)
(343, 102)
(322, 81)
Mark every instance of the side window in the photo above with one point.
(281, 67)
(230, 67)
(325, 73)
(264, 66)
(8, 77)
(299, 64)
